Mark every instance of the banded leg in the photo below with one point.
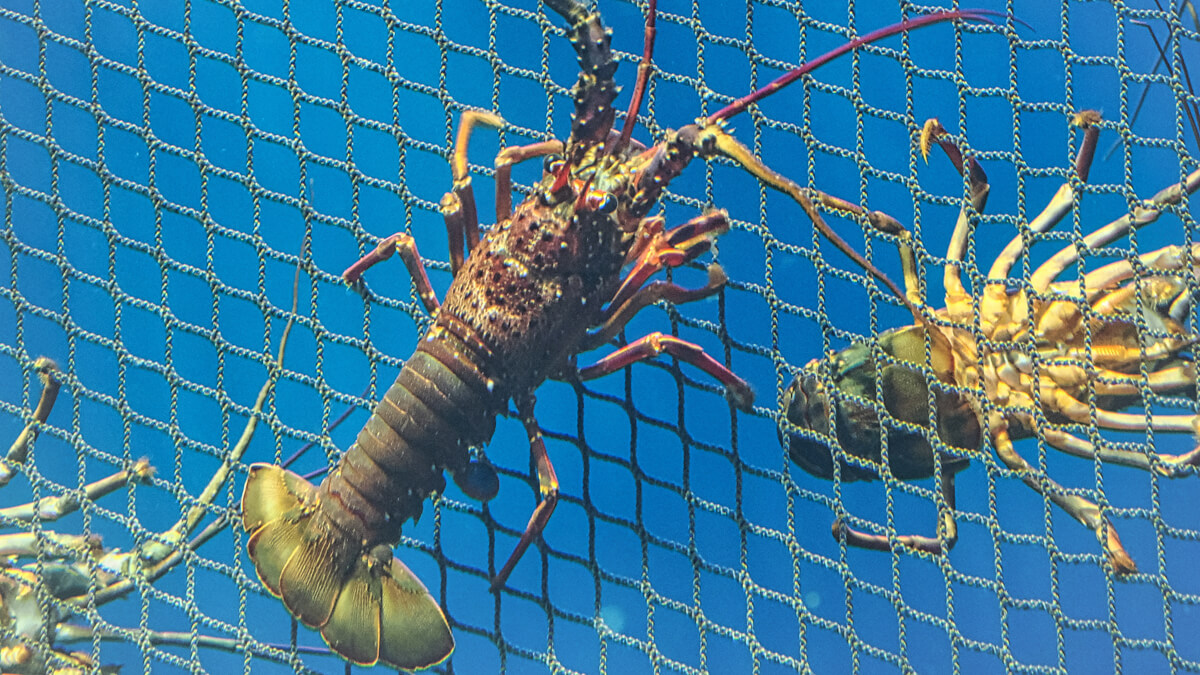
(547, 488)
(648, 295)
(406, 246)
(879, 542)
(1078, 508)
(458, 205)
(657, 343)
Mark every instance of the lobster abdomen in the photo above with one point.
(326, 550)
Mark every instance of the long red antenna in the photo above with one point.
(643, 77)
(888, 31)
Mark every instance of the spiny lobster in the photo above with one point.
(544, 284)
(1013, 363)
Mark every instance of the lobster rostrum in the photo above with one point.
(1016, 363)
(560, 274)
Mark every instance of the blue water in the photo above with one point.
(685, 540)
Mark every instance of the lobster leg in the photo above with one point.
(879, 542)
(659, 290)
(670, 249)
(547, 487)
(1079, 508)
(406, 246)
(504, 164)
(458, 205)
(656, 343)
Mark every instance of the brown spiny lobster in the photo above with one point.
(560, 274)
(1013, 363)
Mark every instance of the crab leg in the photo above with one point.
(167, 547)
(46, 544)
(994, 302)
(20, 448)
(1171, 466)
(1076, 411)
(1064, 199)
(53, 508)
(934, 545)
(1079, 508)
(1143, 214)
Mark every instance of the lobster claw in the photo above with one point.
(368, 605)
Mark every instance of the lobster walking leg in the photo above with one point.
(878, 542)
(505, 161)
(670, 249)
(458, 205)
(547, 488)
(1080, 509)
(404, 244)
(648, 295)
(657, 343)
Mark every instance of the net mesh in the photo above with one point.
(169, 166)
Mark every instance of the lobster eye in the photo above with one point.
(552, 164)
(608, 204)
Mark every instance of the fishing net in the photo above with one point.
(169, 167)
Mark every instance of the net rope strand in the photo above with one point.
(166, 168)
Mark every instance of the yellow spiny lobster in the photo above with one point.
(1013, 363)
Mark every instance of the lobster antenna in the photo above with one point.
(643, 77)
(874, 36)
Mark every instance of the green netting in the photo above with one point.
(168, 166)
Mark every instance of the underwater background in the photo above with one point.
(167, 165)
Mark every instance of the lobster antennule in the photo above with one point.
(368, 605)
(874, 36)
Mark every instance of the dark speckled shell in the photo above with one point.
(534, 287)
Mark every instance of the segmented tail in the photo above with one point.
(368, 606)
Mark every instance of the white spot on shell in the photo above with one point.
(491, 384)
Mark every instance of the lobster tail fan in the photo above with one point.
(368, 606)
(415, 633)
